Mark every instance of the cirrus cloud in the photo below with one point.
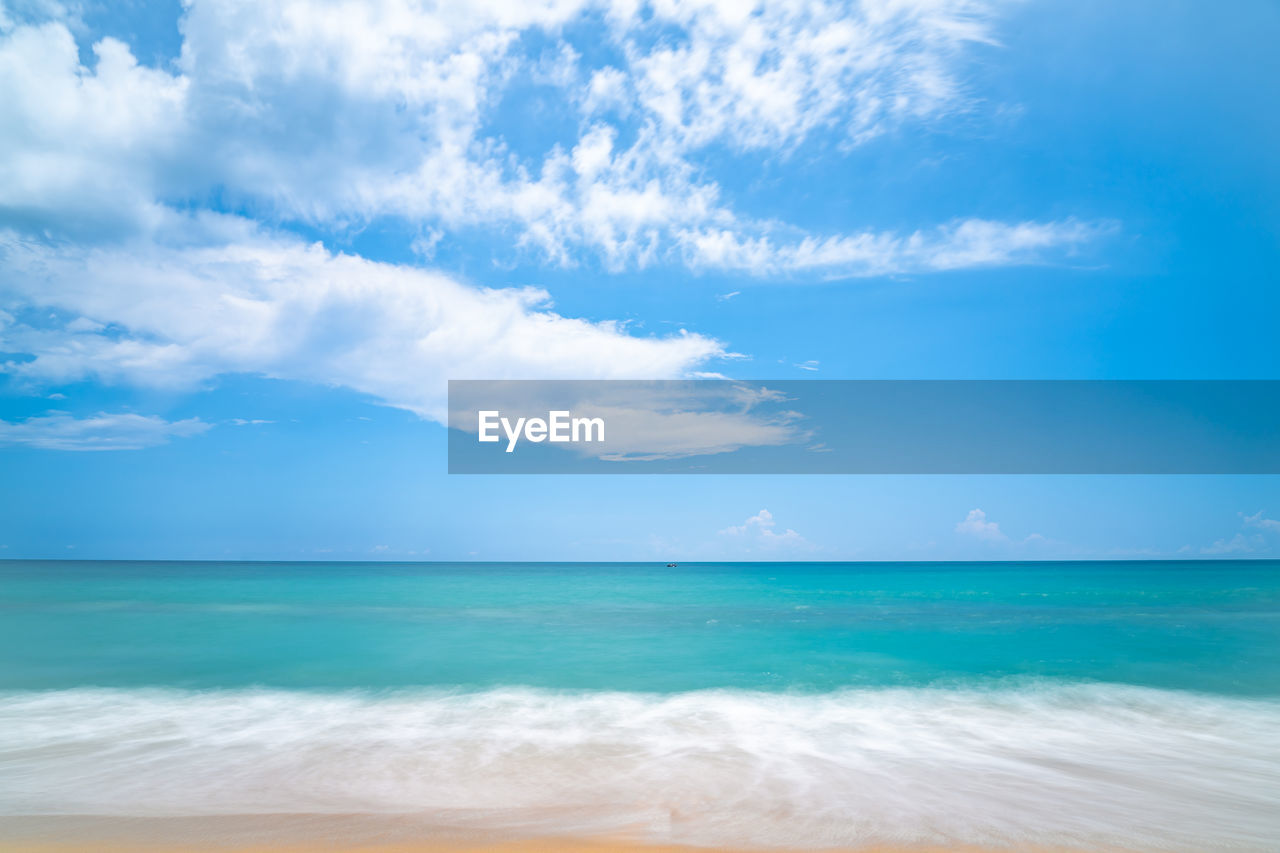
(120, 431)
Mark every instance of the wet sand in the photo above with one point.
(353, 833)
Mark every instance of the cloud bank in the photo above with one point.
(338, 114)
(148, 212)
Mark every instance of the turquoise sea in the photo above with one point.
(1127, 704)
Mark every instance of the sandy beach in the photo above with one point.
(553, 845)
(352, 834)
(545, 845)
(525, 846)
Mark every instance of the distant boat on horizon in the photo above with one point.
(672, 565)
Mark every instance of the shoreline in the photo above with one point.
(369, 834)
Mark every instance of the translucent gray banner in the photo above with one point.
(863, 427)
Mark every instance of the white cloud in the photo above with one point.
(647, 421)
(337, 113)
(333, 114)
(961, 244)
(1238, 544)
(766, 75)
(1256, 520)
(975, 524)
(759, 531)
(763, 520)
(608, 89)
(1242, 542)
(645, 435)
(278, 307)
(126, 431)
(78, 148)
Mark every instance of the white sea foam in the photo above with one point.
(1086, 764)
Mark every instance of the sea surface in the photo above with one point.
(769, 704)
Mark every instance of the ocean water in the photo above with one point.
(766, 704)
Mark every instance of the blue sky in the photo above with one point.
(243, 246)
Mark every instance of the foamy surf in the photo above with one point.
(1076, 765)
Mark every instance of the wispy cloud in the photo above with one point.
(1239, 544)
(647, 421)
(962, 244)
(125, 431)
(275, 306)
(405, 96)
(1243, 542)
(1256, 520)
(394, 109)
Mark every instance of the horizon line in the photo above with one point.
(1206, 559)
